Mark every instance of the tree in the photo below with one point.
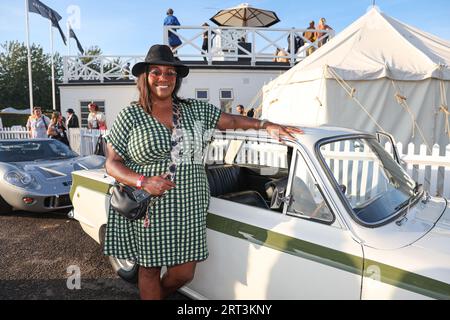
(14, 76)
(89, 60)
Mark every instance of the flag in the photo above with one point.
(72, 35)
(38, 7)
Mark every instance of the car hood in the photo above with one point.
(438, 238)
(419, 221)
(51, 169)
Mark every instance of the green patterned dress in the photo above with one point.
(177, 232)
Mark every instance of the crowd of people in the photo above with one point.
(310, 35)
(40, 126)
(317, 33)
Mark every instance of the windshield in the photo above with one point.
(374, 184)
(29, 150)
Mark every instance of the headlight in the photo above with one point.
(22, 179)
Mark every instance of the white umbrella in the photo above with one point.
(245, 16)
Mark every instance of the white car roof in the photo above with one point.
(309, 138)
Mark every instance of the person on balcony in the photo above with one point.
(171, 20)
(281, 56)
(126, 71)
(310, 35)
(323, 26)
(206, 40)
(157, 145)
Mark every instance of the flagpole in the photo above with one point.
(68, 39)
(30, 76)
(53, 68)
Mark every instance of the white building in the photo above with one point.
(225, 75)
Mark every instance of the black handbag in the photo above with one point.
(130, 202)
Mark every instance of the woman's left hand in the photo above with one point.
(279, 132)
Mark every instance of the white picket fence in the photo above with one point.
(14, 133)
(431, 170)
(84, 141)
(252, 152)
(359, 170)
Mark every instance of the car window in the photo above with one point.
(28, 150)
(306, 199)
(247, 172)
(373, 183)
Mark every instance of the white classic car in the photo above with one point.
(331, 215)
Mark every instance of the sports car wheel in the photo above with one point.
(5, 208)
(126, 269)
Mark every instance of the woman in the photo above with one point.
(57, 130)
(37, 124)
(96, 119)
(322, 26)
(139, 154)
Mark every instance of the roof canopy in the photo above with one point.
(376, 46)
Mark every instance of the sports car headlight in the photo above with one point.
(22, 179)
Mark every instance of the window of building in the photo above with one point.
(226, 94)
(85, 110)
(226, 100)
(202, 94)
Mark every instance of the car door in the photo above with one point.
(258, 253)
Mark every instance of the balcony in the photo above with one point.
(227, 47)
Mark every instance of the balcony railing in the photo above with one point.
(253, 45)
(226, 46)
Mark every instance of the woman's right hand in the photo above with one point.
(157, 185)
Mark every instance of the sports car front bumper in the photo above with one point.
(40, 202)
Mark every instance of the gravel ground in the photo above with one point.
(36, 251)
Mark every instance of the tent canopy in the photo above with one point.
(377, 74)
(17, 111)
(376, 46)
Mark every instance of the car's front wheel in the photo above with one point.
(5, 208)
(126, 269)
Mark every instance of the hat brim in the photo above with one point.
(139, 67)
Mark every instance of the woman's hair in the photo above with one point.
(169, 11)
(93, 105)
(55, 117)
(145, 100)
(36, 108)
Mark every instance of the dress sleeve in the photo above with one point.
(207, 113)
(119, 134)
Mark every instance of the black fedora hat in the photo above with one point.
(160, 54)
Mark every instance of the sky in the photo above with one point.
(130, 27)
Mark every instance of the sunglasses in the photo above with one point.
(159, 73)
